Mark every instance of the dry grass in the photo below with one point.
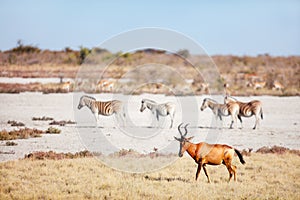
(265, 176)
(15, 123)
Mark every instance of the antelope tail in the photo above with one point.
(261, 114)
(240, 156)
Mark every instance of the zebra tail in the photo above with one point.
(123, 110)
(240, 156)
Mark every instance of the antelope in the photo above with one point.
(259, 85)
(204, 87)
(106, 85)
(66, 86)
(277, 86)
(208, 154)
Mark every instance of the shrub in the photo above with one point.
(83, 53)
(25, 48)
(53, 130)
(20, 134)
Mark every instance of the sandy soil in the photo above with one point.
(280, 126)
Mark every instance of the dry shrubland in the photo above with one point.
(264, 176)
(244, 75)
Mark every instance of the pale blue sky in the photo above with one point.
(222, 27)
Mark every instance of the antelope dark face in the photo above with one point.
(143, 107)
(182, 148)
(183, 141)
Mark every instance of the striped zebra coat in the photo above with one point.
(220, 110)
(248, 109)
(105, 108)
(163, 109)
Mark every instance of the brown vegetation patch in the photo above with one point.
(15, 123)
(277, 150)
(134, 154)
(26, 133)
(168, 179)
(51, 155)
(62, 122)
(44, 118)
(11, 143)
(53, 130)
(20, 134)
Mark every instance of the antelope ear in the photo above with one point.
(188, 139)
(176, 138)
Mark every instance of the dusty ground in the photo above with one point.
(280, 126)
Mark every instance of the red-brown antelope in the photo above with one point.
(106, 85)
(66, 86)
(208, 154)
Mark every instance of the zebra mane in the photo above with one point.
(230, 98)
(209, 99)
(89, 97)
(148, 100)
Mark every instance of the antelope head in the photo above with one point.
(184, 142)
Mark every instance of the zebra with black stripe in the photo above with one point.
(220, 110)
(157, 110)
(105, 108)
(248, 109)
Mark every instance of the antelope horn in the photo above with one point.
(179, 128)
(185, 129)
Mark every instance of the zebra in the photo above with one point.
(163, 109)
(220, 110)
(248, 109)
(106, 108)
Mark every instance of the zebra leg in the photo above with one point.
(171, 121)
(120, 118)
(256, 122)
(233, 120)
(240, 118)
(231, 125)
(97, 118)
(157, 119)
(218, 116)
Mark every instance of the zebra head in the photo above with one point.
(183, 140)
(81, 103)
(143, 106)
(84, 100)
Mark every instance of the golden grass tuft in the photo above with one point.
(265, 176)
